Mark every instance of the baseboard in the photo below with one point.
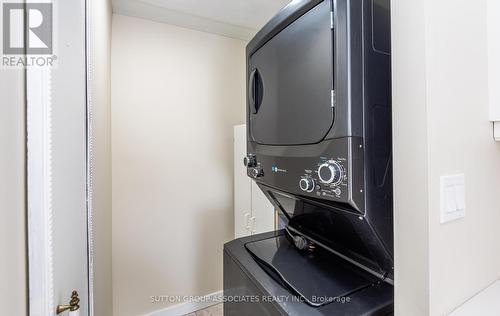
(188, 307)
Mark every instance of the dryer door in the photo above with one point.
(291, 81)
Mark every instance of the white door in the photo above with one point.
(263, 213)
(253, 213)
(242, 185)
(57, 169)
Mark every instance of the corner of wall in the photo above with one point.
(410, 154)
(99, 14)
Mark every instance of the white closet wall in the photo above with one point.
(176, 95)
(493, 16)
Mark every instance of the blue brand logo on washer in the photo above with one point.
(276, 169)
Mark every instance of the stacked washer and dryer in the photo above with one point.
(320, 148)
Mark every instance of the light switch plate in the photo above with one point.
(452, 197)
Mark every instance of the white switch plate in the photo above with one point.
(452, 197)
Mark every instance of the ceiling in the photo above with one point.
(234, 18)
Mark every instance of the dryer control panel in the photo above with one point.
(335, 174)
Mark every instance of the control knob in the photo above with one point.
(250, 161)
(330, 172)
(257, 172)
(307, 184)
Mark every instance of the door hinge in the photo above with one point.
(332, 20)
(333, 98)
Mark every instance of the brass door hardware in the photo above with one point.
(73, 304)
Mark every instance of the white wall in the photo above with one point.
(100, 97)
(464, 255)
(441, 127)
(176, 93)
(13, 276)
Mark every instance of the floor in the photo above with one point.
(485, 303)
(215, 310)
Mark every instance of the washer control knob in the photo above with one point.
(257, 172)
(337, 191)
(307, 184)
(250, 161)
(330, 172)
